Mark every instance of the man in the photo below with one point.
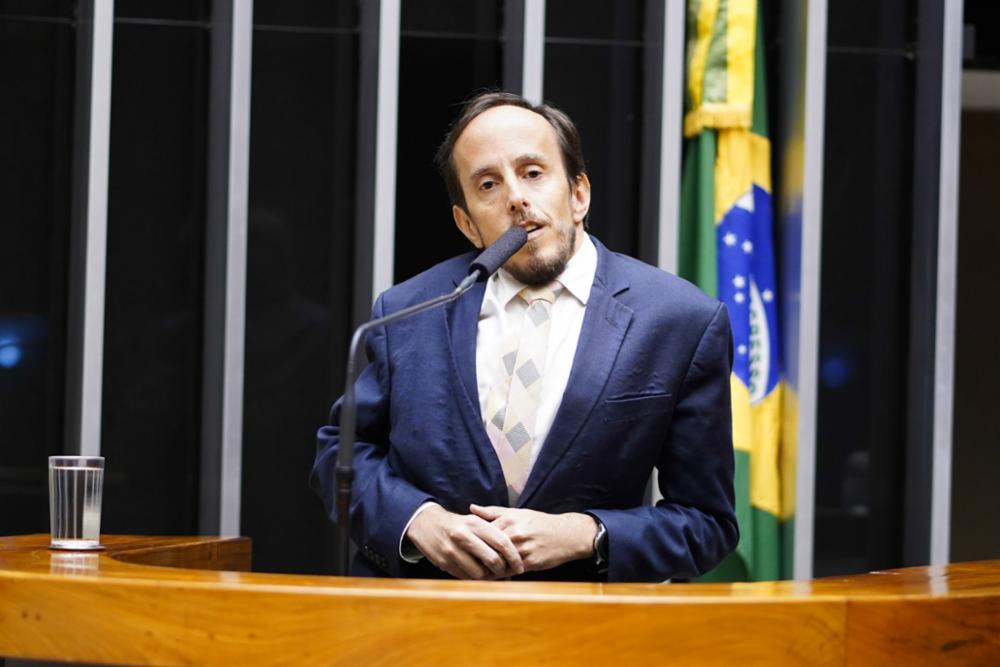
(512, 432)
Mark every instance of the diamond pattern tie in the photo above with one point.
(512, 404)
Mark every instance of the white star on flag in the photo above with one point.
(767, 295)
(729, 239)
(746, 201)
(741, 349)
(739, 282)
(747, 247)
(738, 297)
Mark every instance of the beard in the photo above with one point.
(538, 270)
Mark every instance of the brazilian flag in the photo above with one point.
(726, 249)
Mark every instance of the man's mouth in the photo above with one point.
(533, 229)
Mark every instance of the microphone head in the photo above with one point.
(500, 251)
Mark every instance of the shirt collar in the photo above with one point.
(577, 277)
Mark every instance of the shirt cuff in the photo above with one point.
(407, 551)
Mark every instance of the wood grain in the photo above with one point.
(133, 604)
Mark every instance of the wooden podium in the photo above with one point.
(193, 601)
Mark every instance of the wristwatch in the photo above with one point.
(600, 558)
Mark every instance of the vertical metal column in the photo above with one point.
(808, 325)
(225, 267)
(533, 74)
(654, 133)
(936, 139)
(671, 133)
(386, 113)
(378, 110)
(513, 46)
(947, 267)
(364, 222)
(88, 245)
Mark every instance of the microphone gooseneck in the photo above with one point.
(491, 259)
(488, 262)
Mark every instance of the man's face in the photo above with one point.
(511, 170)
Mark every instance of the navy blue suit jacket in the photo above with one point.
(649, 387)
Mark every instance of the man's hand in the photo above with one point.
(464, 546)
(543, 540)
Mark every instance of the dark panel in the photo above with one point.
(610, 122)
(610, 127)
(982, 23)
(452, 17)
(307, 14)
(38, 8)
(37, 64)
(299, 283)
(886, 25)
(594, 19)
(425, 231)
(153, 323)
(172, 10)
(861, 425)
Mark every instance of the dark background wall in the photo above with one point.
(467, 36)
(300, 264)
(865, 279)
(37, 73)
(151, 417)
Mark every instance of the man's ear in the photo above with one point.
(466, 226)
(580, 198)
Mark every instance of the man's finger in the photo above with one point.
(468, 566)
(486, 544)
(489, 558)
(498, 541)
(469, 541)
(501, 517)
(459, 558)
(489, 513)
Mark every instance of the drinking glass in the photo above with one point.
(75, 489)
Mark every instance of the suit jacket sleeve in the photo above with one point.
(694, 526)
(382, 502)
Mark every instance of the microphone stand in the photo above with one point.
(482, 268)
(349, 412)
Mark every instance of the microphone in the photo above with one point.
(488, 262)
(491, 259)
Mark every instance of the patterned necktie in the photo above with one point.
(512, 403)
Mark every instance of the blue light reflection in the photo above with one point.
(835, 371)
(10, 355)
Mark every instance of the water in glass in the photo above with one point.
(75, 502)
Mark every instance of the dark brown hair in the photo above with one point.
(566, 133)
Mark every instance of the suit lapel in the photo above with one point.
(604, 325)
(461, 323)
(462, 320)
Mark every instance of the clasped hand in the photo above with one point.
(497, 542)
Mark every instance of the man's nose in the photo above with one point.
(516, 199)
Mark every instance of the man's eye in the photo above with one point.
(487, 185)
(534, 173)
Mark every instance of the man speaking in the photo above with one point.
(512, 433)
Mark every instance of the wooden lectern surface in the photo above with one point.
(192, 601)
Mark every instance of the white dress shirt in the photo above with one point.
(502, 312)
